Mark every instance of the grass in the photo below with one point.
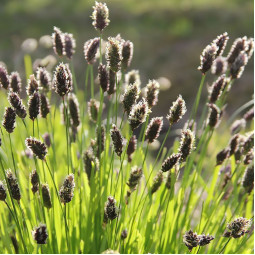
(155, 223)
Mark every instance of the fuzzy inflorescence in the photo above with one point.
(38, 148)
(66, 190)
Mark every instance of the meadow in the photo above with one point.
(78, 174)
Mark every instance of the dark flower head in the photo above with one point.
(34, 177)
(40, 234)
(127, 54)
(110, 209)
(46, 138)
(103, 77)
(248, 178)
(249, 115)
(46, 196)
(131, 147)
(100, 141)
(176, 111)
(187, 144)
(90, 50)
(130, 97)
(250, 47)
(214, 115)
(34, 104)
(62, 80)
(170, 162)
(217, 88)
(4, 77)
(17, 104)
(248, 143)
(169, 180)
(233, 144)
(124, 234)
(2, 192)
(15, 82)
(114, 54)
(237, 228)
(89, 161)
(32, 85)
(13, 185)
(237, 126)
(74, 110)
(138, 114)
(221, 42)
(190, 239)
(153, 129)
(237, 67)
(117, 140)
(133, 77)
(58, 42)
(112, 82)
(100, 16)
(134, 178)
(66, 190)
(69, 45)
(222, 155)
(249, 157)
(38, 148)
(93, 108)
(44, 106)
(240, 44)
(152, 91)
(157, 181)
(204, 239)
(9, 119)
(207, 57)
(43, 78)
(219, 66)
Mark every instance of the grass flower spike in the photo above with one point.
(38, 148)
(66, 190)
(100, 16)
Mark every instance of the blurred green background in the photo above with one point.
(168, 36)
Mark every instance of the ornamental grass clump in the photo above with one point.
(93, 163)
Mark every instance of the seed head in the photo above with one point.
(62, 80)
(204, 239)
(112, 82)
(38, 148)
(15, 82)
(74, 110)
(233, 144)
(66, 190)
(34, 104)
(110, 209)
(134, 178)
(89, 161)
(32, 85)
(124, 234)
(131, 147)
(100, 141)
(237, 67)
(222, 155)
(138, 114)
(214, 115)
(190, 239)
(176, 111)
(217, 88)
(9, 119)
(133, 77)
(69, 45)
(2, 192)
(114, 54)
(130, 97)
(93, 108)
(43, 78)
(90, 50)
(13, 185)
(221, 42)
(237, 126)
(103, 77)
(248, 143)
(249, 115)
(248, 179)
(170, 162)
(187, 144)
(127, 54)
(152, 91)
(240, 44)
(219, 66)
(100, 16)
(17, 104)
(34, 177)
(117, 140)
(250, 47)
(46, 196)
(4, 77)
(153, 129)
(249, 157)
(58, 42)
(157, 181)
(207, 57)
(44, 106)
(40, 234)
(237, 228)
